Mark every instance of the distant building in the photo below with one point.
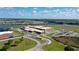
(6, 35)
(46, 30)
(38, 29)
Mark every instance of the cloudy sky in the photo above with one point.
(40, 12)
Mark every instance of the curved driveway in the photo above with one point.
(39, 46)
(48, 41)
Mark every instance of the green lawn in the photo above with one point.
(40, 40)
(24, 45)
(1, 44)
(20, 46)
(17, 33)
(58, 27)
(74, 28)
(54, 46)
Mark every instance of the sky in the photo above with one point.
(40, 12)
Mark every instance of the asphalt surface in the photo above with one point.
(39, 45)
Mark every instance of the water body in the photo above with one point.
(62, 24)
(71, 25)
(5, 28)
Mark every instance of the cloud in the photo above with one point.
(45, 11)
(40, 12)
(56, 13)
(77, 10)
(34, 11)
(56, 10)
(7, 8)
(35, 8)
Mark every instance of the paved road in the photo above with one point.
(48, 41)
(39, 46)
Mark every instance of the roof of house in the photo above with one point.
(6, 32)
(40, 27)
(36, 28)
(32, 29)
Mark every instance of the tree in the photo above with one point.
(68, 48)
(9, 42)
(21, 39)
(4, 48)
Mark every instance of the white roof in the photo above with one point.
(32, 29)
(5, 32)
(41, 27)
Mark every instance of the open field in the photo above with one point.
(20, 45)
(74, 28)
(17, 33)
(54, 46)
(24, 45)
(1, 44)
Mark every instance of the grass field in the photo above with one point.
(16, 33)
(40, 40)
(56, 27)
(54, 46)
(74, 28)
(1, 44)
(24, 45)
(21, 46)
